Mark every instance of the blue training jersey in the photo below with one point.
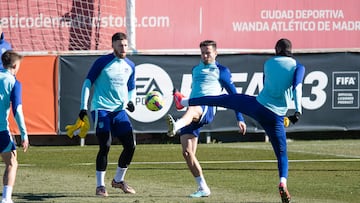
(114, 84)
(210, 79)
(283, 78)
(11, 93)
(4, 46)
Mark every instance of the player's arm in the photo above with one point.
(297, 92)
(85, 94)
(132, 94)
(227, 83)
(131, 82)
(297, 86)
(82, 121)
(131, 88)
(93, 73)
(16, 103)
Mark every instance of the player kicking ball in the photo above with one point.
(209, 78)
(283, 77)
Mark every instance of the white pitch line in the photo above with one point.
(211, 162)
(291, 149)
(23, 165)
(226, 162)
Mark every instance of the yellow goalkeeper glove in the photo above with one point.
(70, 129)
(286, 122)
(85, 127)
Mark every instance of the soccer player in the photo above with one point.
(10, 93)
(113, 79)
(208, 78)
(283, 77)
(4, 45)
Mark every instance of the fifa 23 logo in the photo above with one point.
(345, 80)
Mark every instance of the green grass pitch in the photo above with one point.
(320, 171)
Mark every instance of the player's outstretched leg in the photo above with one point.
(284, 193)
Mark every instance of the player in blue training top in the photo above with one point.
(113, 79)
(208, 78)
(4, 45)
(10, 93)
(283, 77)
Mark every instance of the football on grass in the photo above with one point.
(154, 101)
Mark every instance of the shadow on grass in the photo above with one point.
(31, 197)
(55, 197)
(59, 197)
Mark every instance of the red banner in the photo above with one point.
(39, 77)
(256, 24)
(39, 25)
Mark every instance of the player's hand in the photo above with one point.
(294, 118)
(25, 144)
(242, 127)
(82, 113)
(130, 106)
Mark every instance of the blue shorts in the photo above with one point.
(118, 123)
(6, 142)
(206, 117)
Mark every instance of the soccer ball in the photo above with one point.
(154, 101)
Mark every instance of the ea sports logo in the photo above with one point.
(149, 77)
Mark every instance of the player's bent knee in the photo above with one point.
(187, 154)
(13, 164)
